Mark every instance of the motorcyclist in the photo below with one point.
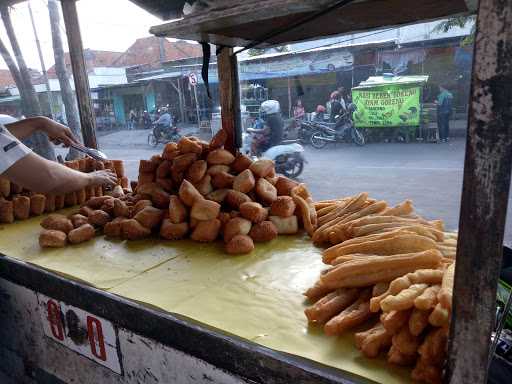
(336, 106)
(164, 123)
(272, 132)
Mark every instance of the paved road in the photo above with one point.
(429, 174)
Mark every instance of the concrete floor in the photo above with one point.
(429, 174)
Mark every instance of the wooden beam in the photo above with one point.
(485, 193)
(229, 92)
(76, 54)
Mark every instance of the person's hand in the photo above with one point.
(106, 177)
(58, 133)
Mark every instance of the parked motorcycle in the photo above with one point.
(343, 130)
(159, 135)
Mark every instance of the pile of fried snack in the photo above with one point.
(391, 271)
(194, 189)
(17, 203)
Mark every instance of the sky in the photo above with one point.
(111, 25)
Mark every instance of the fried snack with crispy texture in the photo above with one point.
(113, 228)
(196, 171)
(398, 358)
(285, 225)
(236, 226)
(285, 185)
(373, 341)
(81, 234)
(21, 205)
(253, 211)
(37, 204)
(355, 314)
(50, 238)
(78, 220)
(331, 304)
(182, 162)
(150, 217)
(164, 170)
(404, 208)
(262, 167)
(57, 222)
(263, 232)
(266, 191)
(160, 198)
(317, 291)
(108, 206)
(222, 180)
(99, 218)
(235, 199)
(239, 245)
(219, 139)
(244, 181)
(218, 195)
(206, 231)
(395, 320)
(140, 205)
(418, 321)
(6, 212)
(204, 187)
(185, 145)
(284, 206)
(85, 211)
(189, 194)
(220, 157)
(404, 300)
(345, 209)
(5, 187)
(440, 317)
(406, 342)
(306, 207)
(121, 209)
(49, 205)
(241, 163)
(379, 288)
(97, 202)
(427, 373)
(433, 348)
(131, 229)
(446, 292)
(366, 272)
(428, 299)
(173, 231)
(214, 169)
(205, 210)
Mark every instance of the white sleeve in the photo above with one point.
(11, 150)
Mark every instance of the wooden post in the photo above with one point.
(76, 54)
(229, 92)
(484, 197)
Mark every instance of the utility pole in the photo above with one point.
(41, 60)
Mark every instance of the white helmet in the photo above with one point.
(269, 107)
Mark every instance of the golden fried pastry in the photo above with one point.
(219, 139)
(428, 299)
(97, 202)
(404, 300)
(222, 180)
(234, 198)
(440, 316)
(244, 181)
(182, 162)
(21, 205)
(239, 245)
(218, 195)
(220, 157)
(6, 212)
(85, 211)
(283, 206)
(113, 228)
(331, 304)
(188, 193)
(119, 168)
(164, 170)
(393, 321)
(70, 199)
(121, 209)
(217, 169)
(262, 168)
(241, 163)
(177, 177)
(186, 145)
(173, 231)
(373, 341)
(306, 207)
(81, 234)
(99, 218)
(50, 238)
(204, 186)
(166, 184)
(266, 191)
(5, 187)
(37, 204)
(108, 206)
(285, 225)
(59, 202)
(160, 198)
(131, 229)
(49, 205)
(206, 231)
(147, 166)
(140, 205)
(81, 196)
(236, 226)
(418, 321)
(272, 180)
(398, 358)
(177, 210)
(253, 211)
(117, 191)
(57, 222)
(406, 342)
(170, 151)
(446, 292)
(205, 210)
(78, 220)
(196, 171)
(427, 373)
(150, 217)
(356, 314)
(263, 231)
(284, 186)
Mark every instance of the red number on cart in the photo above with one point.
(96, 338)
(55, 320)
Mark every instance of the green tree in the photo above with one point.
(459, 22)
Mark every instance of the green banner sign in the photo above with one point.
(387, 106)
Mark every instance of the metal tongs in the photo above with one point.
(94, 153)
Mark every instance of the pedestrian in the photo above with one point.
(298, 110)
(132, 118)
(444, 111)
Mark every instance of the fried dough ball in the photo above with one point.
(244, 181)
(206, 231)
(97, 202)
(21, 206)
(150, 217)
(6, 212)
(5, 187)
(117, 191)
(164, 169)
(217, 169)
(204, 186)
(85, 211)
(239, 245)
(50, 238)
(108, 206)
(99, 218)
(196, 171)
(236, 226)
(160, 198)
(182, 162)
(81, 234)
(241, 163)
(49, 205)
(70, 199)
(235, 198)
(186, 145)
(222, 180)
(253, 211)
(131, 229)
(57, 222)
(165, 184)
(173, 231)
(59, 202)
(121, 209)
(218, 195)
(283, 206)
(113, 228)
(263, 232)
(37, 204)
(266, 191)
(219, 139)
(272, 180)
(285, 225)
(147, 166)
(177, 210)
(78, 220)
(262, 168)
(220, 156)
(188, 193)
(205, 210)
(170, 151)
(140, 205)
(284, 186)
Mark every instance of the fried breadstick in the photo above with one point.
(433, 349)
(404, 300)
(418, 321)
(355, 314)
(374, 340)
(394, 320)
(401, 209)
(331, 305)
(317, 291)
(446, 292)
(440, 317)
(379, 288)
(398, 358)
(406, 342)
(304, 202)
(428, 299)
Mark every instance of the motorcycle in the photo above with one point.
(158, 135)
(343, 130)
(288, 157)
(305, 130)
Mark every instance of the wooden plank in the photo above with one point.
(486, 184)
(76, 53)
(229, 91)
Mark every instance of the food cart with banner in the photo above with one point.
(149, 311)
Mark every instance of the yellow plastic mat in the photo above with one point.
(257, 297)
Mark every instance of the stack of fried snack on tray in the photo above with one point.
(391, 272)
(17, 203)
(199, 190)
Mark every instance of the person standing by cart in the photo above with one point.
(444, 111)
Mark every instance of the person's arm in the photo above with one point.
(40, 175)
(57, 133)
